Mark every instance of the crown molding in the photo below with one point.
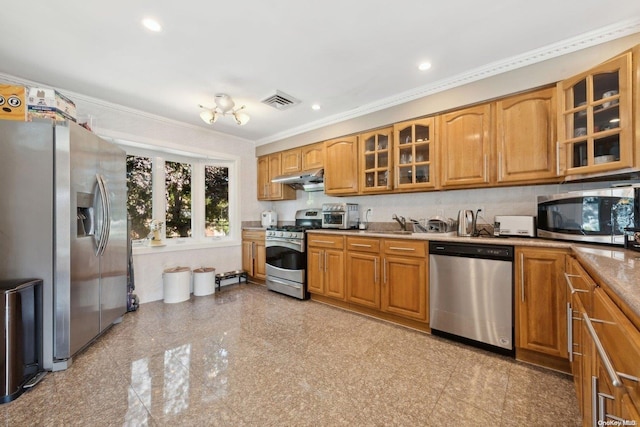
(574, 44)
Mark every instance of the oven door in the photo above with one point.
(334, 220)
(286, 259)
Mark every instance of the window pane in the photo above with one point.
(178, 198)
(139, 192)
(216, 193)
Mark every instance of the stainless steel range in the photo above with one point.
(286, 254)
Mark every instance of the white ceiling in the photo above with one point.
(351, 57)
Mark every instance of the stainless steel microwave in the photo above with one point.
(596, 216)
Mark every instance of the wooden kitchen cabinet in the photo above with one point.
(254, 253)
(595, 120)
(376, 161)
(312, 156)
(363, 271)
(620, 344)
(269, 167)
(526, 140)
(404, 278)
(291, 161)
(415, 154)
(540, 302)
(325, 265)
(465, 147)
(341, 166)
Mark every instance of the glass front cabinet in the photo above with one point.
(376, 161)
(595, 123)
(414, 143)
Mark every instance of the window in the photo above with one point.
(139, 195)
(177, 187)
(192, 196)
(216, 201)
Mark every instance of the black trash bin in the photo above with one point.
(21, 348)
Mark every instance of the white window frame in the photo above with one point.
(198, 161)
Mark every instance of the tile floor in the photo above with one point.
(247, 356)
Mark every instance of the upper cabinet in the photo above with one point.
(595, 120)
(268, 168)
(376, 161)
(414, 154)
(291, 161)
(312, 156)
(526, 141)
(465, 147)
(341, 166)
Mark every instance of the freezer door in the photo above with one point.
(113, 263)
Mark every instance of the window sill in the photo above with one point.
(144, 249)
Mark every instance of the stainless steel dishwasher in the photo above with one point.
(471, 293)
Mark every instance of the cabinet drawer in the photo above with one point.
(253, 235)
(325, 241)
(363, 244)
(620, 339)
(405, 248)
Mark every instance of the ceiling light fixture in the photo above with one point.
(224, 107)
(152, 25)
(315, 107)
(424, 66)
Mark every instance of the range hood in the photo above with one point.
(312, 180)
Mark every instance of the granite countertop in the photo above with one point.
(617, 268)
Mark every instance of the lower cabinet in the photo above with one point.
(325, 265)
(540, 305)
(388, 275)
(386, 278)
(254, 253)
(363, 271)
(605, 353)
(404, 278)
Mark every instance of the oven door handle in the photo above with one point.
(286, 243)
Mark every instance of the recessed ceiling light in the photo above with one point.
(152, 25)
(424, 66)
(315, 107)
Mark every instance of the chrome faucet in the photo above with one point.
(401, 220)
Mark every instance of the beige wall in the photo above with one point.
(529, 77)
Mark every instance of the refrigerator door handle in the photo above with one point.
(107, 222)
(104, 217)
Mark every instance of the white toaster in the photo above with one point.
(516, 225)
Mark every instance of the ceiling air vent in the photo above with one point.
(280, 101)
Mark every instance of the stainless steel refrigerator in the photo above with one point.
(63, 220)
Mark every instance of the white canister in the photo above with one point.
(176, 284)
(204, 282)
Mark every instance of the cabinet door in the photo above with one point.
(341, 166)
(595, 121)
(315, 271)
(247, 257)
(526, 138)
(465, 147)
(291, 161)
(263, 178)
(415, 154)
(275, 165)
(404, 287)
(363, 279)
(334, 273)
(313, 156)
(375, 161)
(541, 301)
(260, 262)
